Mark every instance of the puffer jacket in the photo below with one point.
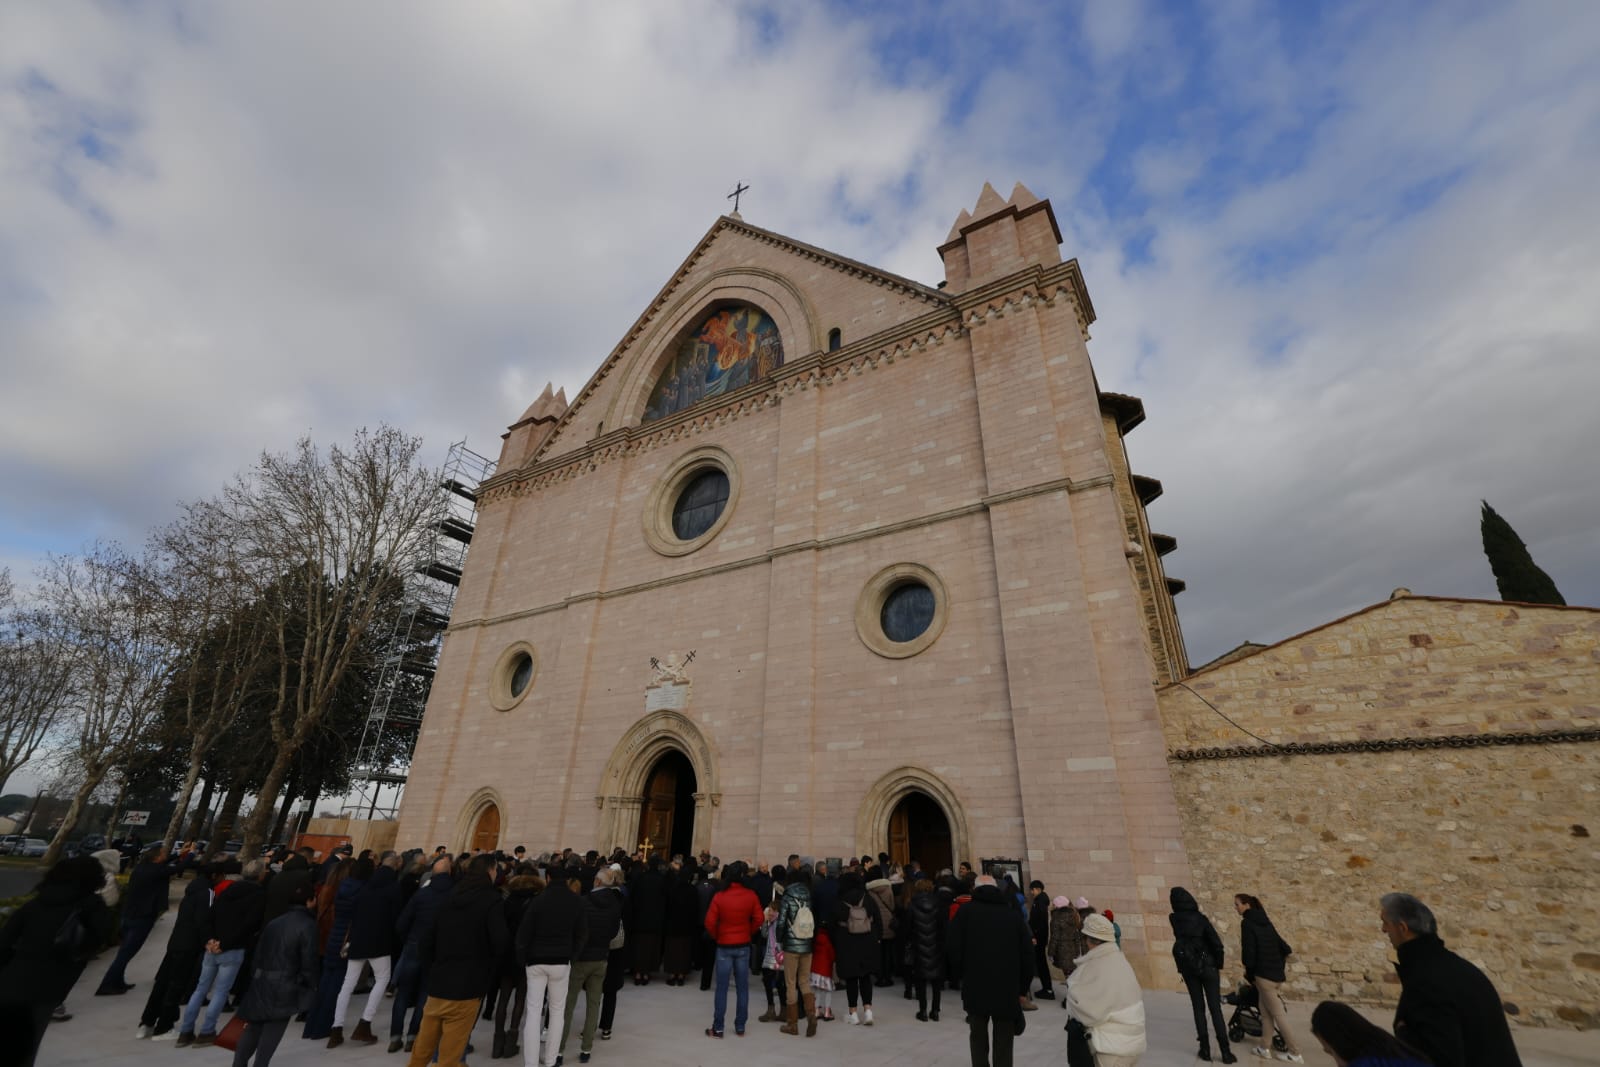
(32, 969)
(283, 978)
(339, 910)
(467, 939)
(733, 917)
(1067, 942)
(795, 897)
(927, 917)
(1103, 994)
(1260, 947)
(881, 890)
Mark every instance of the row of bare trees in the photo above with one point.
(263, 597)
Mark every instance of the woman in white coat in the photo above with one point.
(1103, 994)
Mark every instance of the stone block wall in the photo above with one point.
(1445, 748)
(1498, 841)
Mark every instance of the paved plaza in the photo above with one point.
(661, 1025)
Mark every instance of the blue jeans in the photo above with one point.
(734, 959)
(217, 972)
(407, 987)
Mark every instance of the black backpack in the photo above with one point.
(1190, 954)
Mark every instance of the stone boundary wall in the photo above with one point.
(1496, 840)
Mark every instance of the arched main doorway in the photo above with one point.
(486, 829)
(666, 819)
(919, 830)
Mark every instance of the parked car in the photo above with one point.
(10, 843)
(33, 846)
(91, 843)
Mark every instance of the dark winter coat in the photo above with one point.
(1189, 925)
(344, 909)
(1449, 1009)
(1039, 919)
(374, 915)
(927, 919)
(1261, 950)
(148, 887)
(417, 917)
(855, 955)
(683, 908)
(32, 969)
(235, 917)
(990, 947)
(825, 894)
(520, 892)
(189, 925)
(603, 909)
(554, 927)
(467, 938)
(795, 897)
(284, 975)
(648, 895)
(281, 890)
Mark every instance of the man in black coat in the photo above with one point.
(142, 905)
(285, 886)
(1039, 928)
(459, 955)
(1448, 1009)
(181, 965)
(991, 948)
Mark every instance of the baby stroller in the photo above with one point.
(1246, 1017)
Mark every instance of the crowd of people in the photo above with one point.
(519, 940)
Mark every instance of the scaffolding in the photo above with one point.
(411, 650)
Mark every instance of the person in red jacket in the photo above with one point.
(732, 920)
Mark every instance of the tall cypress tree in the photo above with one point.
(1515, 573)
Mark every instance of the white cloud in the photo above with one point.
(307, 217)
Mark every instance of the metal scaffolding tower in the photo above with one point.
(412, 649)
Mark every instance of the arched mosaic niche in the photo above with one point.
(731, 347)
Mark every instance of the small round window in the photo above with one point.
(693, 499)
(907, 612)
(513, 675)
(700, 504)
(902, 610)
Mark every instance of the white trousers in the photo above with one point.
(352, 975)
(544, 979)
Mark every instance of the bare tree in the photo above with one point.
(34, 668)
(222, 638)
(106, 605)
(329, 537)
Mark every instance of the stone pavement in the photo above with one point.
(661, 1025)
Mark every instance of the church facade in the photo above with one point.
(824, 560)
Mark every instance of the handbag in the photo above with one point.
(1079, 1051)
(620, 939)
(228, 1037)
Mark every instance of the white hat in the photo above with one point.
(1099, 927)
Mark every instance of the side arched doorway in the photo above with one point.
(919, 830)
(486, 830)
(912, 813)
(666, 819)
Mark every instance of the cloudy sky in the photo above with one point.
(1347, 253)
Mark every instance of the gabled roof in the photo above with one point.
(733, 224)
(1230, 658)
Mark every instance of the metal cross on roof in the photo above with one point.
(738, 188)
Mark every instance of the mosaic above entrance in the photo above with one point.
(732, 348)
